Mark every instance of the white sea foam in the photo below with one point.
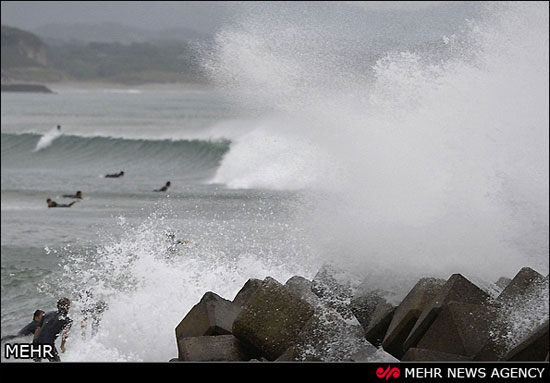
(47, 139)
(149, 283)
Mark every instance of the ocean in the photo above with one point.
(420, 162)
(121, 240)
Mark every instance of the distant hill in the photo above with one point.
(21, 48)
(133, 63)
(60, 34)
(27, 58)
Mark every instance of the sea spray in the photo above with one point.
(150, 277)
(47, 139)
(439, 156)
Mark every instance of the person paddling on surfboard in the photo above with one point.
(55, 204)
(164, 188)
(115, 175)
(78, 195)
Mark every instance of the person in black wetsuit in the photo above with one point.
(115, 175)
(52, 325)
(28, 329)
(55, 204)
(164, 188)
(78, 195)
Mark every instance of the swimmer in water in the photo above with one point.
(164, 188)
(115, 175)
(55, 204)
(29, 329)
(78, 195)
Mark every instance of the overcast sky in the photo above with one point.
(204, 16)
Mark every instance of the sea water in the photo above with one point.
(411, 162)
(121, 240)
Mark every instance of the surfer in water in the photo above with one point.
(29, 329)
(48, 138)
(78, 195)
(55, 204)
(52, 325)
(115, 175)
(164, 188)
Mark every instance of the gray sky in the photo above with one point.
(153, 15)
(204, 16)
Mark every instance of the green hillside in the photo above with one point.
(20, 48)
(25, 57)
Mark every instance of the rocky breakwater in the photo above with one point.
(327, 320)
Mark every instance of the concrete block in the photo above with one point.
(459, 329)
(247, 291)
(379, 322)
(457, 288)
(213, 348)
(272, 319)
(213, 315)
(408, 312)
(524, 280)
(333, 290)
(329, 337)
(302, 288)
(533, 348)
(422, 355)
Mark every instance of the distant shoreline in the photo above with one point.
(26, 88)
(52, 87)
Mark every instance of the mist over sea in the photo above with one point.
(309, 147)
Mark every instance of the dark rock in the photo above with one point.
(213, 348)
(457, 288)
(367, 354)
(408, 312)
(459, 329)
(329, 337)
(247, 291)
(524, 280)
(518, 314)
(421, 355)
(503, 282)
(333, 291)
(289, 355)
(301, 287)
(364, 305)
(272, 319)
(379, 323)
(213, 315)
(532, 348)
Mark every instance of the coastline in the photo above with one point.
(26, 88)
